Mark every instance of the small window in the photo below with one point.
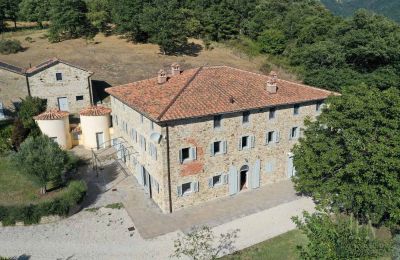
(54, 139)
(272, 112)
(296, 109)
(217, 147)
(270, 137)
(245, 141)
(294, 133)
(185, 154)
(217, 121)
(79, 98)
(217, 180)
(318, 106)
(186, 188)
(246, 117)
(58, 76)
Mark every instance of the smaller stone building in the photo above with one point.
(198, 134)
(65, 86)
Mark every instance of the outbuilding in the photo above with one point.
(95, 126)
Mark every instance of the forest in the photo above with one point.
(304, 36)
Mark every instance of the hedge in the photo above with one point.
(31, 214)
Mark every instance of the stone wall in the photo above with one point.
(12, 89)
(74, 83)
(200, 133)
(157, 168)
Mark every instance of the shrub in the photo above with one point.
(10, 46)
(29, 39)
(31, 214)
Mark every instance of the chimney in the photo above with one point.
(175, 69)
(274, 75)
(272, 87)
(162, 76)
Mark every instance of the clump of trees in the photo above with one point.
(42, 159)
(10, 46)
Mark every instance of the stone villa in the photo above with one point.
(65, 86)
(194, 135)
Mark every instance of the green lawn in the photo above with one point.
(280, 247)
(15, 188)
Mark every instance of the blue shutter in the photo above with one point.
(255, 175)
(252, 141)
(193, 150)
(277, 136)
(224, 147)
(180, 156)
(179, 190)
(225, 178)
(233, 180)
(210, 182)
(195, 186)
(212, 149)
(240, 143)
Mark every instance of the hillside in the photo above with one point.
(389, 8)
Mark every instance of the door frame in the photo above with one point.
(59, 106)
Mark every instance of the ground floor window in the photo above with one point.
(187, 188)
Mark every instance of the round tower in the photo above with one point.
(95, 125)
(55, 124)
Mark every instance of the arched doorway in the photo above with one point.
(243, 177)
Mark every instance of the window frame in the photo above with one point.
(296, 131)
(79, 98)
(217, 122)
(187, 191)
(272, 113)
(296, 109)
(246, 117)
(59, 76)
(214, 184)
(271, 134)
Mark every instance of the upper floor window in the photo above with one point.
(79, 98)
(272, 112)
(246, 142)
(218, 147)
(294, 133)
(246, 117)
(187, 154)
(217, 121)
(58, 76)
(296, 109)
(318, 106)
(272, 137)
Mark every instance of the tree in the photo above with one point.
(338, 237)
(19, 134)
(30, 107)
(5, 139)
(396, 247)
(199, 244)
(349, 159)
(126, 16)
(2, 17)
(35, 11)
(272, 41)
(99, 14)
(42, 159)
(68, 20)
(10, 9)
(164, 22)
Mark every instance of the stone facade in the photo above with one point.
(265, 163)
(12, 89)
(73, 86)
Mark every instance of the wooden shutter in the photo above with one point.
(252, 141)
(277, 136)
(195, 186)
(210, 182)
(255, 175)
(212, 149)
(269, 167)
(233, 180)
(225, 178)
(180, 156)
(179, 190)
(193, 150)
(224, 147)
(240, 144)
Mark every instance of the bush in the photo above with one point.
(31, 214)
(10, 46)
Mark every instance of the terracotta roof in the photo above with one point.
(51, 115)
(49, 63)
(95, 111)
(209, 91)
(12, 68)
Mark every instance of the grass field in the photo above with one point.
(280, 247)
(115, 60)
(16, 188)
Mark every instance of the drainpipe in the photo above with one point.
(27, 84)
(169, 172)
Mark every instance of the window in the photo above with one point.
(318, 106)
(134, 135)
(294, 133)
(272, 112)
(217, 180)
(79, 98)
(187, 154)
(218, 147)
(58, 76)
(151, 125)
(153, 151)
(188, 188)
(246, 142)
(296, 109)
(142, 142)
(141, 119)
(271, 137)
(54, 139)
(246, 117)
(217, 121)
